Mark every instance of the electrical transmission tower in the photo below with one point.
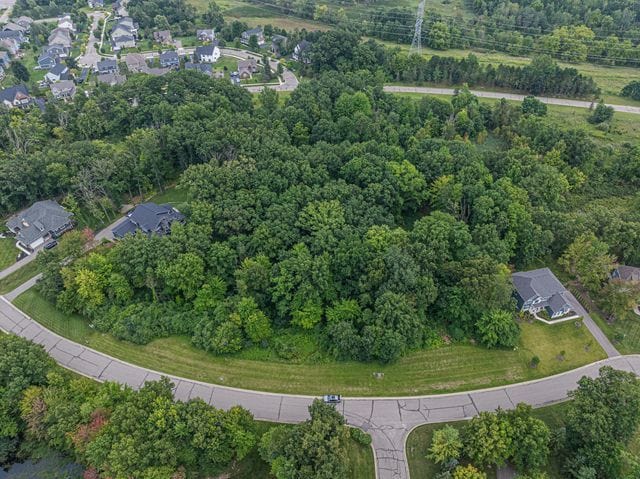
(416, 44)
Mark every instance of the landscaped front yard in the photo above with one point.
(450, 368)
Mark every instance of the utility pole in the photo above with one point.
(416, 44)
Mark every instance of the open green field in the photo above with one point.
(253, 467)
(170, 195)
(446, 369)
(18, 277)
(8, 252)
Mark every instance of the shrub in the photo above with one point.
(360, 436)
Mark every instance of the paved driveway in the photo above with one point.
(388, 420)
(5, 7)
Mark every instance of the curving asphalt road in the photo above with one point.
(509, 96)
(388, 420)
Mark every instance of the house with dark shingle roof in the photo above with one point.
(207, 53)
(44, 220)
(205, 68)
(59, 72)
(301, 52)
(169, 59)
(254, 32)
(163, 37)
(107, 66)
(150, 219)
(4, 58)
(15, 97)
(626, 273)
(538, 290)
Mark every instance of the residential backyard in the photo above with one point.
(449, 368)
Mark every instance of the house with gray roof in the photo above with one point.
(63, 90)
(150, 219)
(46, 61)
(162, 37)
(15, 97)
(205, 68)
(207, 53)
(59, 72)
(107, 66)
(626, 273)
(538, 290)
(206, 35)
(111, 79)
(43, 221)
(169, 59)
(301, 53)
(254, 32)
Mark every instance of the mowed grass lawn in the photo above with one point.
(447, 369)
(8, 252)
(18, 277)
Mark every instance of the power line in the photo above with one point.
(478, 41)
(416, 44)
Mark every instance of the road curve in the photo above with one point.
(389, 420)
(508, 96)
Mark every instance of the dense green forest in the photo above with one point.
(372, 222)
(116, 432)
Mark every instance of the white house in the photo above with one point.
(207, 53)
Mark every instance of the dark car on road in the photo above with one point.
(51, 244)
(332, 398)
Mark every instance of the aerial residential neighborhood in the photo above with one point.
(347, 240)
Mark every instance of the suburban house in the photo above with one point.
(169, 60)
(626, 273)
(10, 44)
(2, 73)
(59, 72)
(254, 32)
(150, 219)
(44, 220)
(14, 27)
(15, 97)
(24, 21)
(4, 58)
(301, 52)
(66, 22)
(207, 53)
(278, 44)
(46, 61)
(95, 3)
(56, 50)
(15, 37)
(119, 9)
(136, 63)
(163, 37)
(205, 68)
(246, 68)
(60, 36)
(123, 34)
(63, 90)
(538, 290)
(206, 36)
(107, 66)
(123, 41)
(111, 79)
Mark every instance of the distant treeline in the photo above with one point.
(541, 76)
(343, 51)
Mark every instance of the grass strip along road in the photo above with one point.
(457, 367)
